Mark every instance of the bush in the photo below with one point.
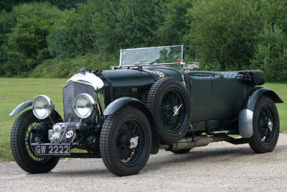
(274, 13)
(271, 54)
(25, 46)
(66, 67)
(7, 21)
(174, 25)
(75, 33)
(224, 33)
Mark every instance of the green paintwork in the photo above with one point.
(254, 95)
(133, 83)
(126, 83)
(216, 97)
(119, 103)
(129, 101)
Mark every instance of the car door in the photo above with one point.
(201, 92)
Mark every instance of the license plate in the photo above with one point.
(52, 149)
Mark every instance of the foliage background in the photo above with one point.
(41, 38)
(52, 38)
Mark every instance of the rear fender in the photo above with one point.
(129, 101)
(245, 121)
(261, 91)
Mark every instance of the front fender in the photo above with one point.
(119, 103)
(130, 101)
(21, 107)
(245, 122)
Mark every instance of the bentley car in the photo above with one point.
(154, 100)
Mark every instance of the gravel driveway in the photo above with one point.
(217, 167)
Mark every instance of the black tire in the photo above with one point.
(182, 151)
(163, 98)
(22, 150)
(118, 154)
(265, 126)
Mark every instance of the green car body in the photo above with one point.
(153, 100)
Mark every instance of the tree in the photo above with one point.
(105, 26)
(274, 13)
(224, 33)
(271, 54)
(25, 46)
(61, 4)
(7, 21)
(75, 33)
(7, 5)
(128, 23)
(175, 21)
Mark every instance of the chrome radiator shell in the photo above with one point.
(70, 92)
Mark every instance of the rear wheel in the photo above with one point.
(265, 126)
(20, 141)
(125, 141)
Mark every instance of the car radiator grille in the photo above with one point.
(70, 92)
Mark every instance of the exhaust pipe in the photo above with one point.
(188, 143)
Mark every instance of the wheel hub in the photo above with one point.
(270, 124)
(134, 142)
(176, 110)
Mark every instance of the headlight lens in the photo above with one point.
(83, 106)
(42, 106)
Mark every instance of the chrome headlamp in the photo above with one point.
(42, 106)
(83, 106)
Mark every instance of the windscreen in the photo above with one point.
(151, 56)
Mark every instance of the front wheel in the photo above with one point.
(125, 142)
(20, 141)
(265, 126)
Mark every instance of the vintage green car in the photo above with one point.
(153, 100)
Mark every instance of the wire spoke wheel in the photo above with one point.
(20, 141)
(266, 123)
(29, 138)
(130, 142)
(172, 110)
(265, 126)
(169, 102)
(125, 141)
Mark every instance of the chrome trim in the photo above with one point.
(182, 56)
(50, 107)
(245, 123)
(121, 55)
(87, 78)
(91, 102)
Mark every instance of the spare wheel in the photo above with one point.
(169, 102)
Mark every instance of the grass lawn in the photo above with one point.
(15, 91)
(281, 89)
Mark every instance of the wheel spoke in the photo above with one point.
(130, 134)
(266, 124)
(28, 140)
(171, 118)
